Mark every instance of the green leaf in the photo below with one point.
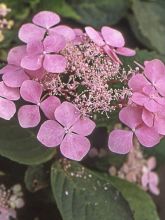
(59, 6)
(83, 195)
(150, 16)
(158, 151)
(36, 178)
(140, 202)
(21, 145)
(98, 13)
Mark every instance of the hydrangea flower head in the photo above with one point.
(60, 64)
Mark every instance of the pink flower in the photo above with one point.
(155, 72)
(44, 23)
(13, 73)
(121, 141)
(7, 214)
(68, 131)
(29, 115)
(149, 98)
(148, 89)
(45, 53)
(7, 96)
(150, 179)
(111, 40)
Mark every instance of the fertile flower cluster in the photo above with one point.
(144, 114)
(67, 75)
(137, 169)
(10, 200)
(4, 23)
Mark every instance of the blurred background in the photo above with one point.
(142, 23)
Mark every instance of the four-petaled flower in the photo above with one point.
(45, 54)
(121, 141)
(43, 23)
(68, 130)
(111, 40)
(29, 115)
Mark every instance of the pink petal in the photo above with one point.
(54, 43)
(84, 126)
(66, 114)
(29, 116)
(46, 19)
(9, 68)
(36, 74)
(78, 39)
(15, 79)
(137, 82)
(16, 54)
(152, 106)
(112, 37)
(148, 137)
(74, 146)
(131, 116)
(51, 133)
(159, 124)
(9, 93)
(29, 32)
(7, 109)
(148, 117)
(153, 178)
(54, 63)
(125, 51)
(153, 183)
(159, 85)
(94, 36)
(149, 90)
(78, 31)
(139, 98)
(35, 47)
(120, 141)
(154, 189)
(111, 53)
(49, 106)
(32, 62)
(151, 163)
(154, 70)
(67, 32)
(31, 91)
(145, 180)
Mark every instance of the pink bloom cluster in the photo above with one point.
(150, 179)
(137, 169)
(55, 62)
(145, 114)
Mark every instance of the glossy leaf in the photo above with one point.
(21, 145)
(141, 204)
(82, 195)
